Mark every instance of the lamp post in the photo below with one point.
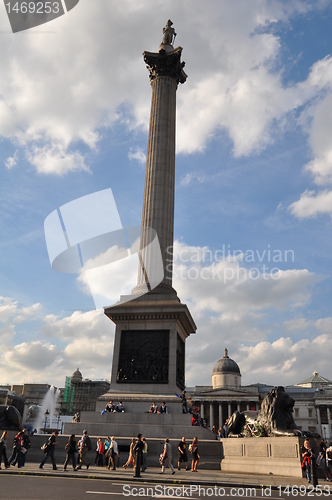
(46, 416)
(59, 416)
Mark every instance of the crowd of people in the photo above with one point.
(21, 445)
(107, 453)
(310, 461)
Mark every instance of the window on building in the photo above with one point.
(296, 412)
(312, 429)
(310, 412)
(323, 414)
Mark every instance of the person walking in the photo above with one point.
(167, 457)
(131, 458)
(306, 454)
(100, 453)
(107, 444)
(196, 457)
(71, 449)
(49, 451)
(85, 447)
(182, 447)
(144, 454)
(26, 443)
(3, 449)
(113, 453)
(138, 450)
(16, 455)
(322, 449)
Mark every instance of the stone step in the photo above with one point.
(136, 418)
(148, 430)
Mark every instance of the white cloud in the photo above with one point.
(87, 340)
(311, 204)
(55, 160)
(80, 325)
(191, 177)
(137, 155)
(279, 362)
(11, 161)
(10, 311)
(317, 120)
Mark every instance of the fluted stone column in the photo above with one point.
(166, 72)
(211, 415)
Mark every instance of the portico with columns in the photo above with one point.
(226, 395)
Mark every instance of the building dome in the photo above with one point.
(226, 373)
(77, 375)
(226, 365)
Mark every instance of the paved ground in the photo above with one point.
(152, 475)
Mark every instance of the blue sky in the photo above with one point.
(253, 175)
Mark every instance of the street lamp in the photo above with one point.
(59, 416)
(46, 415)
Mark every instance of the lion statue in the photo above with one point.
(274, 419)
(10, 418)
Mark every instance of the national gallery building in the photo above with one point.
(313, 398)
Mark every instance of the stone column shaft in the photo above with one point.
(220, 414)
(211, 415)
(158, 204)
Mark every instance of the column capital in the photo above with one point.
(165, 63)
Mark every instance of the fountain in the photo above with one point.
(49, 403)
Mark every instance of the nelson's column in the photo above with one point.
(149, 344)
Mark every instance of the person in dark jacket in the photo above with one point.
(25, 447)
(71, 450)
(51, 443)
(3, 449)
(16, 456)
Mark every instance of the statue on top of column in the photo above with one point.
(169, 34)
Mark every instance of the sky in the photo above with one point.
(253, 242)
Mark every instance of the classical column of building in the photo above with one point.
(319, 422)
(220, 415)
(211, 415)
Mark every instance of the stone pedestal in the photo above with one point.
(149, 350)
(280, 456)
